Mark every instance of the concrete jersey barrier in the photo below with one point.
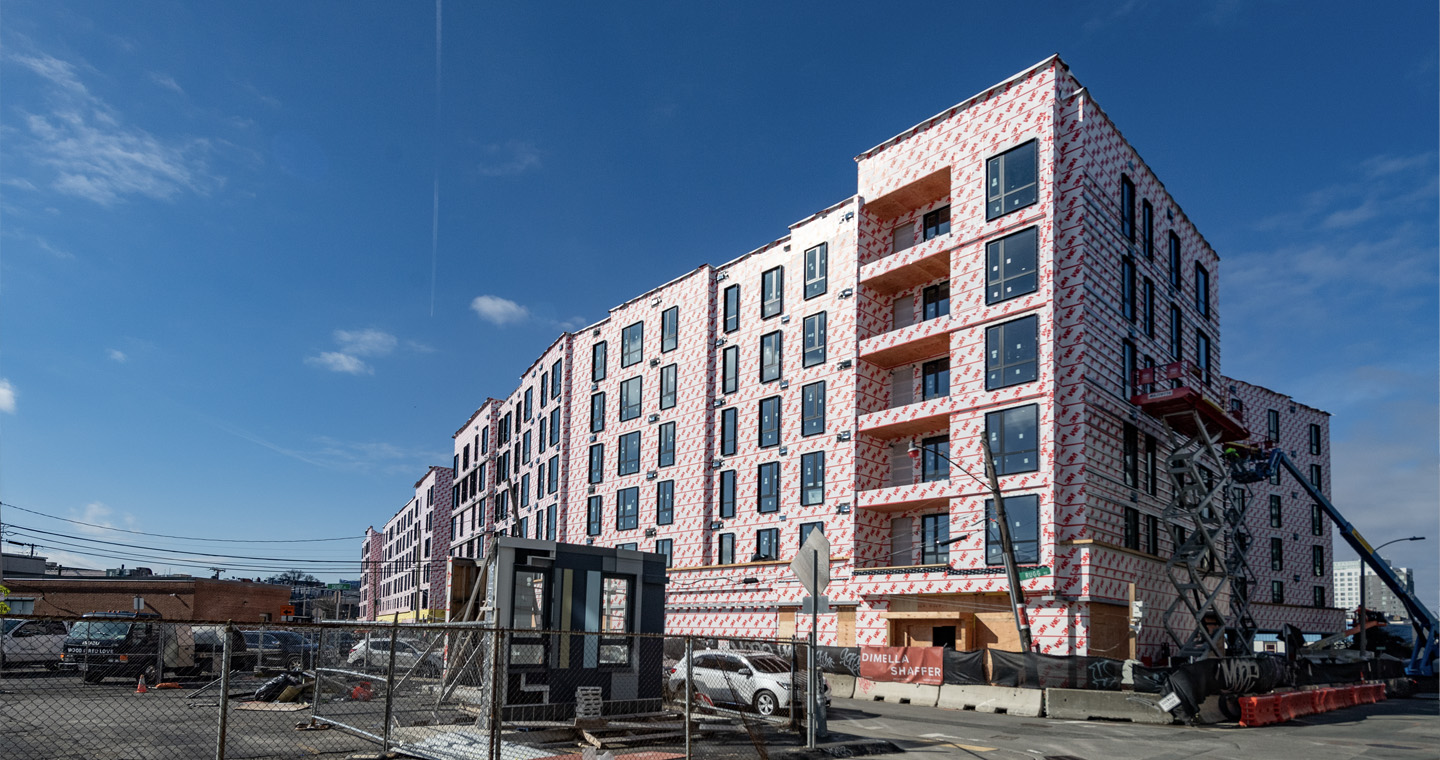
(992, 699)
(1083, 704)
(912, 693)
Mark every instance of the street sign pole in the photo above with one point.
(812, 568)
(810, 671)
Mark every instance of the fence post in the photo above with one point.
(224, 691)
(689, 691)
(390, 681)
(794, 692)
(497, 688)
(319, 677)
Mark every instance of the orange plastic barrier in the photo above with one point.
(1261, 711)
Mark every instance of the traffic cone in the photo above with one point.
(140, 686)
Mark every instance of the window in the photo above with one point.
(814, 340)
(1127, 288)
(529, 400)
(542, 438)
(937, 222)
(1202, 290)
(727, 494)
(1316, 476)
(817, 270)
(1317, 596)
(1147, 229)
(632, 344)
(629, 459)
(1272, 425)
(1152, 534)
(1127, 369)
(668, 374)
(669, 329)
(1014, 444)
(935, 539)
(770, 352)
(593, 510)
(627, 509)
(767, 544)
(555, 426)
(665, 502)
(1130, 446)
(1023, 514)
(525, 448)
(1010, 180)
(1175, 281)
(1277, 592)
(631, 391)
(1152, 469)
(597, 412)
(935, 301)
(555, 378)
(1315, 439)
(934, 459)
(1317, 561)
(1010, 266)
(1176, 327)
(1147, 305)
(666, 454)
(1127, 208)
(597, 463)
(935, 377)
(769, 422)
(902, 237)
(1010, 357)
(728, 423)
(807, 528)
(730, 371)
(1277, 554)
(812, 411)
(772, 292)
(1275, 512)
(768, 477)
(525, 490)
(597, 362)
(1132, 528)
(666, 547)
(1317, 521)
(812, 478)
(1202, 355)
(544, 388)
(732, 308)
(727, 549)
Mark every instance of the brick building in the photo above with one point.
(1000, 274)
(404, 565)
(171, 597)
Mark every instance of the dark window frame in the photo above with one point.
(934, 539)
(669, 381)
(998, 274)
(812, 409)
(772, 292)
(665, 445)
(669, 329)
(594, 515)
(627, 509)
(768, 432)
(767, 487)
(996, 424)
(812, 478)
(931, 375)
(597, 412)
(1202, 290)
(730, 370)
(998, 365)
(627, 459)
(935, 223)
(817, 270)
(731, 316)
(599, 361)
(1027, 550)
(729, 431)
(773, 370)
(814, 345)
(997, 197)
(728, 489)
(665, 502)
(632, 397)
(632, 344)
(1127, 207)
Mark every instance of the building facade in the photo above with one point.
(1378, 596)
(404, 570)
(1001, 273)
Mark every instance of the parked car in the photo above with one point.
(128, 644)
(32, 642)
(285, 649)
(375, 653)
(210, 649)
(756, 680)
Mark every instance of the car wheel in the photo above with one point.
(150, 674)
(766, 704)
(92, 676)
(295, 662)
(52, 666)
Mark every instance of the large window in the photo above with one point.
(1317, 561)
(814, 340)
(729, 421)
(769, 422)
(1176, 278)
(1276, 513)
(1127, 208)
(727, 494)
(668, 375)
(1130, 448)
(817, 270)
(629, 460)
(1202, 354)
(1127, 288)
(767, 544)
(726, 549)
(597, 412)
(1316, 476)
(597, 361)
(1202, 290)
(1277, 592)
(627, 509)
(1272, 425)
(1023, 515)
(1277, 554)
(768, 480)
(669, 329)
(665, 502)
(1147, 229)
(1317, 520)
(1132, 528)
(1147, 305)
(1177, 325)
(1127, 369)
(935, 379)
(770, 352)
(812, 411)
(935, 539)
(730, 370)
(632, 344)
(807, 528)
(1010, 181)
(1010, 266)
(1010, 357)
(555, 426)
(631, 392)
(1014, 443)
(1152, 469)
(732, 308)
(1317, 596)
(666, 547)
(934, 459)
(553, 475)
(772, 292)
(666, 449)
(935, 301)
(1315, 441)
(812, 478)
(593, 510)
(597, 463)
(937, 222)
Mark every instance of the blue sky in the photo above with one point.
(221, 313)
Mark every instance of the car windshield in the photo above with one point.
(87, 629)
(770, 664)
(10, 625)
(290, 637)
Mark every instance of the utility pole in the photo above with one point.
(1017, 594)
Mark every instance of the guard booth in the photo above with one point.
(568, 615)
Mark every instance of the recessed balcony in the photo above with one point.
(907, 345)
(909, 268)
(935, 494)
(909, 420)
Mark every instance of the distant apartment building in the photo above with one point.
(1378, 596)
(404, 565)
(1003, 270)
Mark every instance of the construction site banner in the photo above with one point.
(967, 668)
(922, 665)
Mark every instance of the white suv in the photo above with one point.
(376, 653)
(32, 642)
(757, 680)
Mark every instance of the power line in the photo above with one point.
(176, 551)
(185, 538)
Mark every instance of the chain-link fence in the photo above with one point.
(138, 687)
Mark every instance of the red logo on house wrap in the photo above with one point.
(923, 665)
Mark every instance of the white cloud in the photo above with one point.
(509, 158)
(357, 456)
(499, 311)
(166, 81)
(97, 513)
(90, 152)
(370, 342)
(340, 362)
(7, 396)
(116, 355)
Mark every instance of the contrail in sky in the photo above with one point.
(435, 199)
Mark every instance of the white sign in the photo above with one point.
(1169, 702)
(812, 563)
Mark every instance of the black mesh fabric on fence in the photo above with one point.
(967, 668)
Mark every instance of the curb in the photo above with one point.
(856, 748)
